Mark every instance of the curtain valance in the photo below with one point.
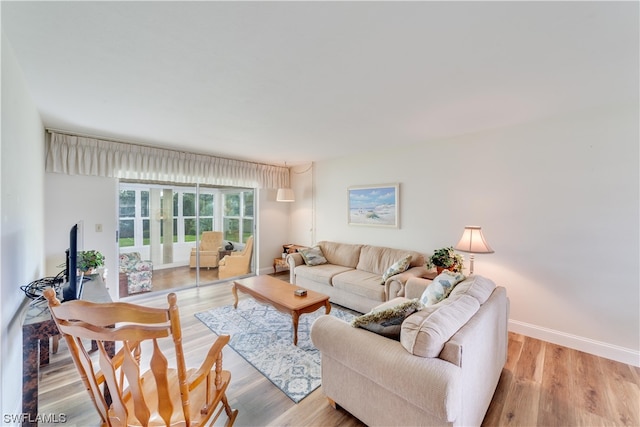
(78, 155)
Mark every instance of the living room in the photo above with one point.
(554, 189)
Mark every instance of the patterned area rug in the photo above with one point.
(264, 337)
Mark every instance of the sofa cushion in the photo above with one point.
(361, 283)
(313, 256)
(425, 333)
(440, 287)
(376, 259)
(341, 253)
(320, 273)
(397, 267)
(478, 287)
(387, 318)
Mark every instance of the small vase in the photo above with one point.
(441, 269)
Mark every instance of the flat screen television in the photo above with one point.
(73, 288)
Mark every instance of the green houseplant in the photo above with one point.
(445, 259)
(89, 260)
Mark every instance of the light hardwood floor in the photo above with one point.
(542, 384)
(179, 277)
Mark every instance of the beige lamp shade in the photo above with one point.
(285, 195)
(473, 241)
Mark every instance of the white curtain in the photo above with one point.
(77, 155)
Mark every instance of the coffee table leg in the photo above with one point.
(327, 307)
(295, 317)
(234, 291)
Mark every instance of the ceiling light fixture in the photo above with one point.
(285, 195)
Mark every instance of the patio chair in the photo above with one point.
(210, 244)
(135, 273)
(238, 263)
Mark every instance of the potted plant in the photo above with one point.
(88, 261)
(445, 259)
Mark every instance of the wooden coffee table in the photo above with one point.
(279, 294)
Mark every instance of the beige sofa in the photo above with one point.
(352, 276)
(384, 382)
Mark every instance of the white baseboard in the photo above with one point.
(598, 348)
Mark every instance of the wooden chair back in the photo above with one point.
(137, 386)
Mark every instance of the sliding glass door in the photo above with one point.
(161, 228)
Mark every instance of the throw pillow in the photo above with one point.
(397, 267)
(388, 321)
(313, 256)
(440, 288)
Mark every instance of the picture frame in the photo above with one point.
(374, 205)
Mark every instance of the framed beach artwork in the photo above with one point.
(374, 205)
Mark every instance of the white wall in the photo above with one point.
(301, 231)
(22, 219)
(557, 201)
(273, 229)
(92, 200)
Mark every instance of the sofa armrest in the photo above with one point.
(415, 286)
(429, 383)
(293, 260)
(232, 261)
(395, 285)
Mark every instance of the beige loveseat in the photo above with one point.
(352, 276)
(443, 371)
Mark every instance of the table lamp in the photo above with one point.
(473, 242)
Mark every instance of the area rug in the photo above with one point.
(264, 337)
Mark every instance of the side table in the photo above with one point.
(279, 262)
(293, 248)
(282, 262)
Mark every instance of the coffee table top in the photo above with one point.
(279, 292)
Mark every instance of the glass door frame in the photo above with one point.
(150, 216)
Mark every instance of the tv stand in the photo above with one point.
(37, 328)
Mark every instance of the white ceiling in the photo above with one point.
(295, 82)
